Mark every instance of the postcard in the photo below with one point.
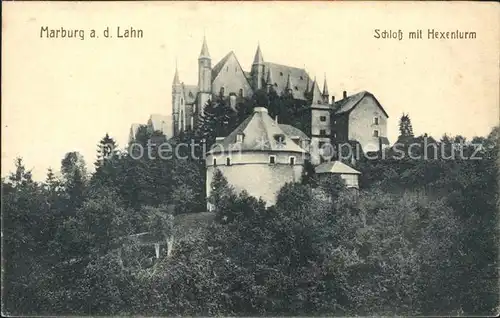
(250, 158)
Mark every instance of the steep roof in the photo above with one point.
(280, 73)
(336, 167)
(293, 132)
(258, 59)
(176, 76)
(347, 104)
(218, 67)
(259, 134)
(325, 88)
(204, 49)
(317, 98)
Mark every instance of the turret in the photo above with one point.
(257, 70)
(204, 69)
(325, 94)
(176, 100)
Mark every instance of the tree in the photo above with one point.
(405, 127)
(74, 174)
(106, 151)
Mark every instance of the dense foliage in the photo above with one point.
(419, 238)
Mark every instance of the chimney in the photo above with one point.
(333, 100)
(345, 94)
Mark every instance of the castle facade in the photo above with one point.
(358, 117)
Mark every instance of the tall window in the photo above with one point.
(215, 162)
(228, 161)
(222, 91)
(241, 92)
(375, 133)
(272, 159)
(292, 160)
(375, 120)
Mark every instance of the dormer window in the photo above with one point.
(239, 138)
(280, 139)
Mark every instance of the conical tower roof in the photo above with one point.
(325, 88)
(176, 76)
(316, 93)
(204, 49)
(258, 59)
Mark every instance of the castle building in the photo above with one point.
(258, 157)
(359, 117)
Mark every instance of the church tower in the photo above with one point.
(176, 102)
(257, 70)
(204, 77)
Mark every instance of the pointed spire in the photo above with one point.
(325, 88)
(176, 75)
(258, 59)
(316, 93)
(204, 49)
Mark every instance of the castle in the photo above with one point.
(359, 117)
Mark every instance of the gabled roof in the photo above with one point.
(347, 104)
(335, 167)
(259, 134)
(219, 66)
(293, 132)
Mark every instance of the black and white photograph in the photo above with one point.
(253, 159)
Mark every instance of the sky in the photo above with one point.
(61, 95)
